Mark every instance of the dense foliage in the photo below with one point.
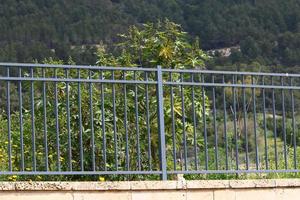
(163, 43)
(267, 31)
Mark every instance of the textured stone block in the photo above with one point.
(227, 194)
(200, 195)
(159, 195)
(105, 195)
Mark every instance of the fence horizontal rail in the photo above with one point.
(76, 80)
(147, 82)
(197, 71)
(90, 120)
(233, 85)
(86, 67)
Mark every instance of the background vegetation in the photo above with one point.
(265, 36)
(266, 31)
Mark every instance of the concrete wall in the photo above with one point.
(144, 190)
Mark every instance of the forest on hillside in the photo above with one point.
(267, 32)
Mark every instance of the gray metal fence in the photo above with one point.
(87, 120)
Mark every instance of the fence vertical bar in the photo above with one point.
(32, 122)
(183, 123)
(114, 121)
(245, 123)
(204, 123)
(148, 122)
(103, 122)
(80, 123)
(125, 124)
(194, 123)
(92, 123)
(56, 121)
(8, 121)
(21, 121)
(274, 124)
(45, 121)
(173, 123)
(161, 125)
(235, 123)
(265, 123)
(283, 124)
(68, 121)
(254, 124)
(294, 125)
(215, 124)
(225, 123)
(137, 128)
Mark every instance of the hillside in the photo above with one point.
(267, 31)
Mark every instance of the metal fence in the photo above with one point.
(88, 120)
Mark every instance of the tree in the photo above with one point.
(163, 43)
(250, 48)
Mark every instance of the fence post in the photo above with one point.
(161, 124)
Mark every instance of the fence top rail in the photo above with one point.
(77, 80)
(90, 67)
(199, 71)
(230, 72)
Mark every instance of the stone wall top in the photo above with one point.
(148, 185)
